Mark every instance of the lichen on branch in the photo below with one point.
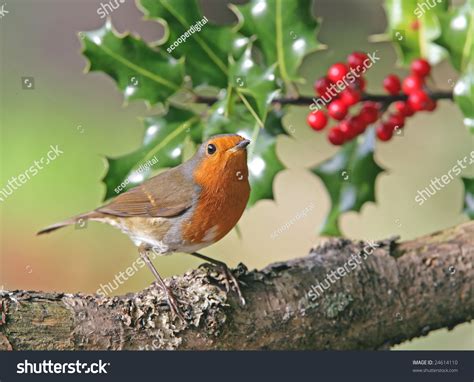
(401, 291)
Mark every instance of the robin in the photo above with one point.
(183, 209)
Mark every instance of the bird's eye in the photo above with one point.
(211, 149)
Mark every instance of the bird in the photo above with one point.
(183, 209)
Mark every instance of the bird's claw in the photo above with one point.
(173, 304)
(230, 279)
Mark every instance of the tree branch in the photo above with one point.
(399, 292)
(306, 101)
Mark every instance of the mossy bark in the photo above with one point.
(401, 291)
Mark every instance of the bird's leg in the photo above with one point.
(172, 301)
(229, 277)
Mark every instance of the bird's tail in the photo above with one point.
(82, 218)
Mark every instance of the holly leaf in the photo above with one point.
(263, 162)
(469, 197)
(139, 71)
(285, 31)
(349, 177)
(457, 34)
(413, 29)
(255, 86)
(162, 147)
(206, 47)
(464, 96)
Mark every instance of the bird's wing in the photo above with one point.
(165, 195)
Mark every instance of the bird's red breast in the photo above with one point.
(224, 194)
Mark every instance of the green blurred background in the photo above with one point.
(85, 115)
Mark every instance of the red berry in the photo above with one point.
(431, 105)
(321, 86)
(358, 84)
(397, 120)
(418, 100)
(420, 67)
(337, 109)
(335, 136)
(356, 60)
(369, 113)
(357, 124)
(317, 120)
(337, 71)
(411, 84)
(383, 132)
(352, 127)
(415, 25)
(392, 85)
(404, 109)
(346, 129)
(350, 96)
(393, 124)
(389, 125)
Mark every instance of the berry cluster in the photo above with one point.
(418, 99)
(338, 108)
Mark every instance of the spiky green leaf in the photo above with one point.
(140, 72)
(349, 177)
(464, 96)
(413, 28)
(285, 31)
(162, 147)
(469, 197)
(206, 49)
(457, 34)
(254, 85)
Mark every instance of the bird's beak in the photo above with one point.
(242, 144)
(239, 146)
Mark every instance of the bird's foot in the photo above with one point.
(173, 303)
(230, 281)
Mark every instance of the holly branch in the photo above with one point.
(307, 100)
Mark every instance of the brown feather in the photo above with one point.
(168, 194)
